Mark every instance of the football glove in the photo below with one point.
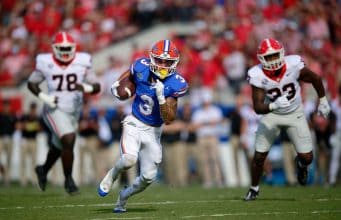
(87, 88)
(323, 108)
(49, 100)
(280, 102)
(114, 88)
(159, 89)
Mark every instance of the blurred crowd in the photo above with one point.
(214, 61)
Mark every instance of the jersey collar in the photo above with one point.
(271, 74)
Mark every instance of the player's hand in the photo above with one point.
(323, 108)
(280, 102)
(49, 100)
(114, 88)
(84, 87)
(159, 90)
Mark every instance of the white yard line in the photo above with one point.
(232, 214)
(264, 213)
(140, 204)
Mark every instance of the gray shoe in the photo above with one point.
(120, 206)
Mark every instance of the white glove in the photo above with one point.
(114, 88)
(87, 88)
(323, 108)
(49, 100)
(280, 102)
(159, 89)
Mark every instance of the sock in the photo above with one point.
(255, 188)
(52, 157)
(67, 160)
(117, 169)
(136, 187)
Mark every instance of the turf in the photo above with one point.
(161, 202)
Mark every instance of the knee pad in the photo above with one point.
(128, 160)
(149, 176)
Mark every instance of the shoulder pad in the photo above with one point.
(254, 76)
(84, 59)
(294, 61)
(43, 57)
(178, 85)
(42, 60)
(140, 65)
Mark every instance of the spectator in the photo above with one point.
(30, 127)
(335, 141)
(175, 166)
(205, 120)
(88, 143)
(9, 124)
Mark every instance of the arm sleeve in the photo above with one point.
(36, 77)
(90, 76)
(253, 79)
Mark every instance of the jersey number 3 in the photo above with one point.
(71, 80)
(288, 89)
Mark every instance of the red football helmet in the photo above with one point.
(164, 57)
(271, 54)
(64, 47)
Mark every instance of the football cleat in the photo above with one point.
(251, 195)
(105, 185)
(42, 179)
(302, 173)
(120, 206)
(70, 186)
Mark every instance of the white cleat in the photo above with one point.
(120, 206)
(105, 185)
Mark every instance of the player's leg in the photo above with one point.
(129, 147)
(150, 157)
(265, 135)
(335, 158)
(54, 152)
(67, 156)
(299, 133)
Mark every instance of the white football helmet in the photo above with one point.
(271, 54)
(64, 47)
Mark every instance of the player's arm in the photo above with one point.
(91, 88)
(89, 85)
(168, 110)
(33, 85)
(306, 75)
(127, 75)
(258, 97)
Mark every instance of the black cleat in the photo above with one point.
(302, 173)
(70, 186)
(251, 195)
(42, 179)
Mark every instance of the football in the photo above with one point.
(126, 89)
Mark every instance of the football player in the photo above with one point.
(158, 86)
(68, 75)
(276, 94)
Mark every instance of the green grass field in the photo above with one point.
(161, 202)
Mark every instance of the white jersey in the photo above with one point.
(287, 85)
(61, 82)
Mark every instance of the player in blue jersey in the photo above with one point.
(158, 87)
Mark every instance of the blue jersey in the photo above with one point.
(146, 105)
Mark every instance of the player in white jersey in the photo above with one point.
(276, 94)
(68, 75)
